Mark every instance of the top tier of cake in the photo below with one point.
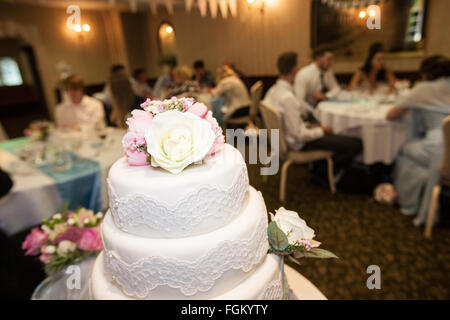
(154, 203)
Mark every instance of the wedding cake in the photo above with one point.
(183, 223)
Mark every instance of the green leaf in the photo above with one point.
(277, 238)
(292, 259)
(320, 254)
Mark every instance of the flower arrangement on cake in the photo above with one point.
(66, 238)
(171, 134)
(289, 236)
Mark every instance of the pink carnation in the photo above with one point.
(90, 240)
(45, 258)
(34, 241)
(136, 158)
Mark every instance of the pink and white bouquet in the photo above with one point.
(171, 134)
(39, 130)
(66, 238)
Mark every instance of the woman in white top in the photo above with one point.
(79, 110)
(233, 90)
(417, 168)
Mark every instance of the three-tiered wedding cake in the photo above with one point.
(186, 230)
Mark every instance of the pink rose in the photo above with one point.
(199, 109)
(45, 258)
(90, 240)
(139, 121)
(72, 234)
(220, 139)
(34, 241)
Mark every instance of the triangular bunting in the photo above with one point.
(223, 6)
(153, 6)
(233, 7)
(203, 6)
(213, 8)
(189, 4)
(169, 6)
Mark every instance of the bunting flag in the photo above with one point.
(213, 8)
(223, 6)
(189, 4)
(153, 6)
(133, 5)
(169, 6)
(233, 7)
(203, 6)
(112, 3)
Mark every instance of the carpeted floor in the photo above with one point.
(363, 233)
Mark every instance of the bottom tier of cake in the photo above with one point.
(265, 283)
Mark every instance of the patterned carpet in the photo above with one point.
(363, 233)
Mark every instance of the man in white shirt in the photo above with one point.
(299, 134)
(139, 84)
(79, 110)
(316, 82)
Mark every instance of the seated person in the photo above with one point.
(165, 81)
(124, 99)
(203, 77)
(299, 134)
(182, 84)
(233, 90)
(139, 84)
(374, 72)
(5, 183)
(79, 110)
(239, 73)
(316, 82)
(417, 169)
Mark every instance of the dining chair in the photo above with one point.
(273, 121)
(256, 92)
(3, 135)
(445, 181)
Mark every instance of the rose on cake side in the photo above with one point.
(136, 145)
(289, 236)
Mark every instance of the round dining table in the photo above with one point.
(382, 139)
(39, 192)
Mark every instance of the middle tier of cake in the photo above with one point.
(198, 267)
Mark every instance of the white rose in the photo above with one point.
(57, 216)
(49, 249)
(293, 226)
(177, 139)
(66, 247)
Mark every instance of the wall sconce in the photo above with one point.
(78, 28)
(260, 4)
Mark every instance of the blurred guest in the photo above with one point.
(316, 82)
(80, 109)
(115, 69)
(301, 135)
(182, 84)
(139, 84)
(165, 81)
(203, 77)
(5, 183)
(374, 72)
(240, 74)
(124, 99)
(417, 167)
(233, 90)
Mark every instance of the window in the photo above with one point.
(9, 72)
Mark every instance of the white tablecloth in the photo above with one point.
(381, 139)
(35, 195)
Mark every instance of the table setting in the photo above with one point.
(56, 167)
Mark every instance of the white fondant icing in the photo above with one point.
(263, 284)
(152, 202)
(211, 263)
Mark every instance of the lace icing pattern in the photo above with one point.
(184, 217)
(274, 289)
(139, 278)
